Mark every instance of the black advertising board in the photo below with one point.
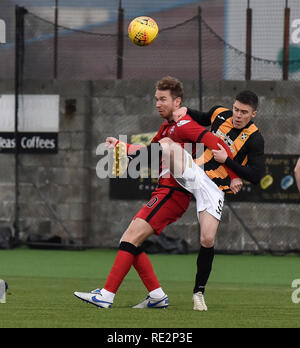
(29, 142)
(132, 189)
(38, 124)
(277, 186)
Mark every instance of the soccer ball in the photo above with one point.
(142, 31)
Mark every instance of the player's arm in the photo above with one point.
(135, 150)
(255, 168)
(212, 142)
(203, 118)
(297, 174)
(112, 142)
(196, 133)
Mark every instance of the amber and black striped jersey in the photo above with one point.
(246, 145)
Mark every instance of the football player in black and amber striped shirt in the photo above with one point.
(246, 143)
(237, 129)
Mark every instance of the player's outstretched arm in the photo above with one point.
(192, 131)
(255, 168)
(112, 142)
(202, 118)
(216, 144)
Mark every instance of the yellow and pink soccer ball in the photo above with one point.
(142, 31)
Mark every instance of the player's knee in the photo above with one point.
(166, 147)
(167, 141)
(133, 238)
(207, 241)
(137, 232)
(166, 144)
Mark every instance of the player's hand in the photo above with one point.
(111, 142)
(220, 155)
(236, 185)
(179, 113)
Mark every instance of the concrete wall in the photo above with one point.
(80, 200)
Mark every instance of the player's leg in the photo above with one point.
(174, 157)
(132, 238)
(136, 233)
(156, 297)
(209, 226)
(165, 206)
(145, 270)
(209, 202)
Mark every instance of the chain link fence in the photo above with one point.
(206, 45)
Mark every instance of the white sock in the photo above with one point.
(109, 295)
(157, 293)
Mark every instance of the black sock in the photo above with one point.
(204, 266)
(130, 248)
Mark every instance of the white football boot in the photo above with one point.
(151, 302)
(199, 302)
(94, 297)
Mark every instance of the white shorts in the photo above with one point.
(207, 194)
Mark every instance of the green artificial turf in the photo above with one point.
(243, 291)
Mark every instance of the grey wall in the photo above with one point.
(68, 181)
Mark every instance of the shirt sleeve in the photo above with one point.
(194, 132)
(255, 168)
(158, 136)
(190, 131)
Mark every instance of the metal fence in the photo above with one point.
(200, 48)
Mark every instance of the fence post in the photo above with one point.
(20, 13)
(120, 42)
(200, 58)
(200, 78)
(55, 49)
(248, 42)
(286, 39)
(2, 32)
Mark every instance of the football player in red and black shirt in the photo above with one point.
(168, 203)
